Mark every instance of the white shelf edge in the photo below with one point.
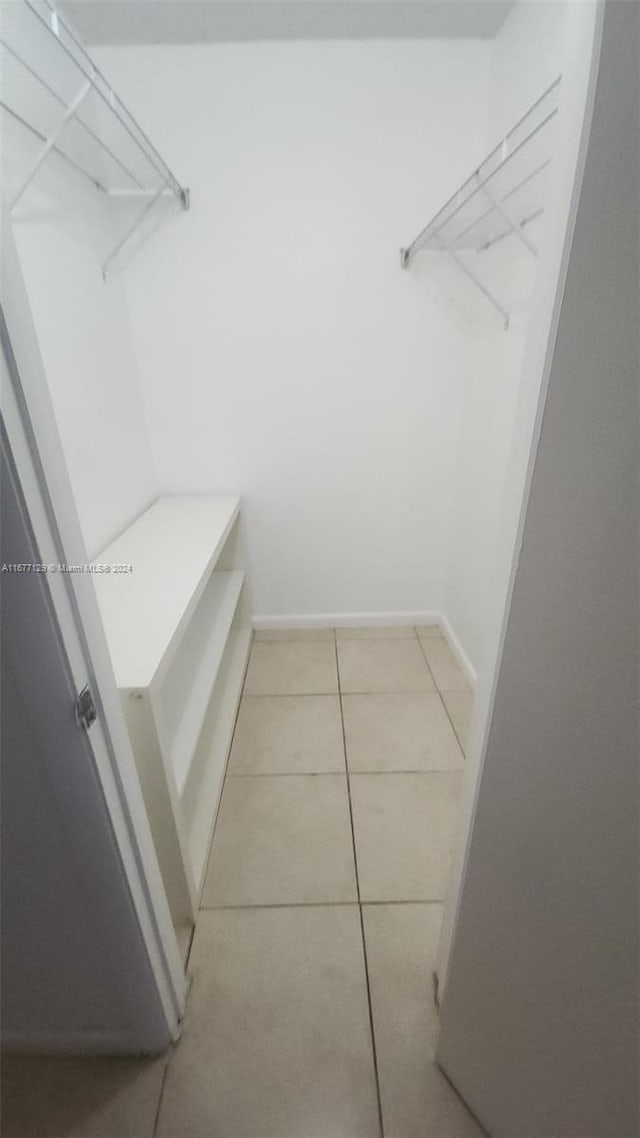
(199, 838)
(184, 741)
(148, 669)
(171, 647)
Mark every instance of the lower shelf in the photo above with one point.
(204, 784)
(194, 679)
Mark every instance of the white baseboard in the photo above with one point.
(371, 620)
(345, 620)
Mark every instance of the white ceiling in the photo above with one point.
(207, 21)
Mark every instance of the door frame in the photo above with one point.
(40, 466)
(579, 80)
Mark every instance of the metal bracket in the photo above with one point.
(130, 232)
(514, 226)
(53, 138)
(478, 283)
(85, 708)
(184, 197)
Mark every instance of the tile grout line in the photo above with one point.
(355, 774)
(334, 638)
(320, 904)
(245, 694)
(442, 699)
(156, 1119)
(426, 660)
(453, 726)
(187, 957)
(435, 690)
(290, 694)
(360, 913)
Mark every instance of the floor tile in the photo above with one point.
(445, 668)
(400, 732)
(429, 631)
(280, 841)
(288, 735)
(439, 1111)
(417, 1101)
(276, 1040)
(383, 632)
(79, 1098)
(292, 668)
(272, 634)
(405, 826)
(402, 947)
(383, 665)
(459, 704)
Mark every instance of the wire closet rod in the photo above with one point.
(480, 183)
(499, 203)
(85, 126)
(487, 213)
(63, 41)
(102, 88)
(471, 184)
(62, 154)
(82, 60)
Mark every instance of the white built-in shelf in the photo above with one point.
(171, 549)
(211, 756)
(222, 601)
(177, 622)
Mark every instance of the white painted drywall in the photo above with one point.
(526, 56)
(540, 1014)
(283, 353)
(64, 231)
(486, 431)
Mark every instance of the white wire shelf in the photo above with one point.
(51, 86)
(503, 196)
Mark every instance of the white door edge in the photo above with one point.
(37, 452)
(582, 97)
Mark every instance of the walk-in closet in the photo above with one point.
(286, 275)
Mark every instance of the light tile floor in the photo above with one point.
(311, 1009)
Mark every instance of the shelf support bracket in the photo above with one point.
(130, 232)
(514, 226)
(53, 138)
(478, 283)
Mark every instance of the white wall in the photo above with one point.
(63, 232)
(543, 979)
(486, 431)
(526, 56)
(283, 352)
